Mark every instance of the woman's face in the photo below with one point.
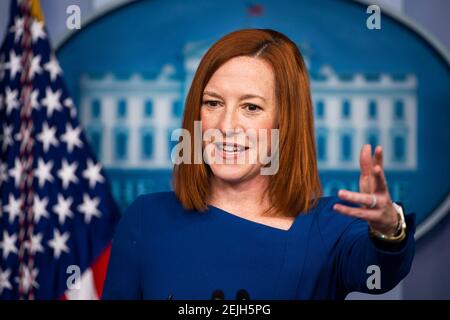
(239, 107)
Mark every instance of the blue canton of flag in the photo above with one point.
(57, 215)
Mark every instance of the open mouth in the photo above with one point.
(230, 148)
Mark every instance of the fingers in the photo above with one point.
(365, 163)
(378, 157)
(372, 177)
(383, 219)
(364, 199)
(380, 179)
(365, 160)
(358, 212)
(373, 200)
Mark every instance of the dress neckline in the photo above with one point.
(260, 225)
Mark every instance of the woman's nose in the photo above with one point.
(228, 122)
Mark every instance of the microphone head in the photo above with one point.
(242, 295)
(218, 295)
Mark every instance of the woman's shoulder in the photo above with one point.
(151, 200)
(158, 198)
(154, 202)
(153, 210)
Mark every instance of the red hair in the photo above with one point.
(295, 188)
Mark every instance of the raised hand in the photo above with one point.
(373, 197)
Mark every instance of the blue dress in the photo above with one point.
(162, 251)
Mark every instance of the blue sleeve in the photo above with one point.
(360, 258)
(123, 275)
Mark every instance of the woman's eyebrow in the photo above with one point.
(243, 97)
(213, 94)
(249, 96)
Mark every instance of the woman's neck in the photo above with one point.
(246, 198)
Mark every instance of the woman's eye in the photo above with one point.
(252, 107)
(211, 103)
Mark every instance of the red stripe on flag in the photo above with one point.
(99, 269)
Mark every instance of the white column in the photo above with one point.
(411, 122)
(359, 106)
(162, 112)
(85, 110)
(332, 120)
(135, 111)
(109, 121)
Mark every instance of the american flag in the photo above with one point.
(57, 215)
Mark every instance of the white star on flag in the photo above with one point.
(92, 173)
(72, 137)
(37, 30)
(39, 208)
(62, 208)
(53, 68)
(89, 208)
(51, 101)
(34, 99)
(35, 67)
(11, 100)
(58, 243)
(4, 280)
(34, 245)
(8, 244)
(16, 172)
(25, 137)
(13, 64)
(43, 172)
(47, 137)
(67, 173)
(28, 279)
(7, 136)
(17, 28)
(12, 208)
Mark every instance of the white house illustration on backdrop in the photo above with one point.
(129, 121)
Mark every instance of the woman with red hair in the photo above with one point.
(243, 225)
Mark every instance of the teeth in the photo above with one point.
(232, 148)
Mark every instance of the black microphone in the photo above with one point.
(218, 295)
(242, 295)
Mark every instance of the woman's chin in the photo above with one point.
(232, 173)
